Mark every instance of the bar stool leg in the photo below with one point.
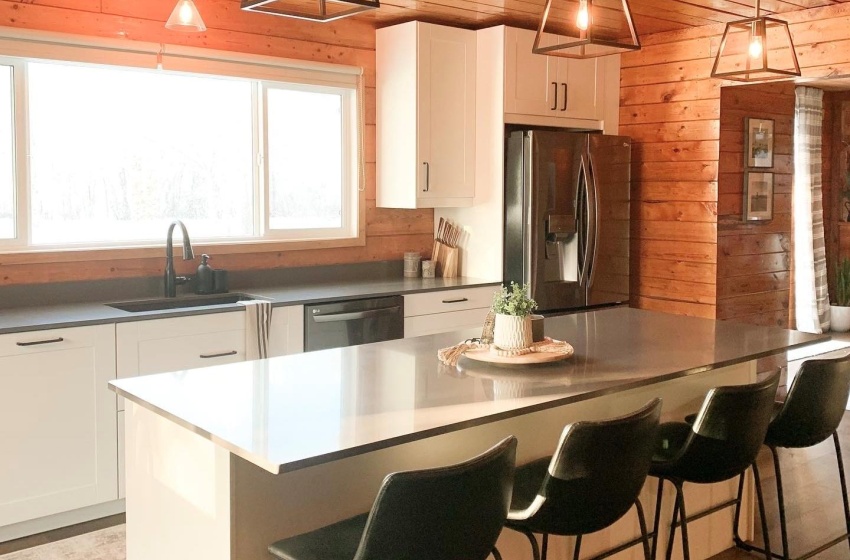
(762, 512)
(657, 518)
(739, 542)
(672, 536)
(535, 551)
(780, 497)
(843, 483)
(686, 547)
(577, 548)
(546, 546)
(496, 554)
(643, 532)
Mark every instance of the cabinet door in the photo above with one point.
(582, 80)
(178, 343)
(57, 421)
(531, 80)
(287, 331)
(421, 325)
(446, 116)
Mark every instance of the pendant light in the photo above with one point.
(312, 10)
(185, 17)
(756, 49)
(591, 32)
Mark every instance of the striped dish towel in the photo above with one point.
(258, 322)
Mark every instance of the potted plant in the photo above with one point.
(840, 311)
(512, 308)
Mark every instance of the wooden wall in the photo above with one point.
(671, 108)
(837, 148)
(388, 232)
(754, 258)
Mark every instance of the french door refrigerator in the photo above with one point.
(567, 217)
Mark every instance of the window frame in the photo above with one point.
(262, 72)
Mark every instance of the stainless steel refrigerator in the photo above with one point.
(567, 217)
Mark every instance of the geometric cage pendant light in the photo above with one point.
(312, 10)
(585, 30)
(756, 49)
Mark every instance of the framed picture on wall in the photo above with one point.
(758, 196)
(758, 142)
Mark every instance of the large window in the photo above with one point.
(7, 155)
(116, 153)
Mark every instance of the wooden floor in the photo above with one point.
(813, 504)
(59, 534)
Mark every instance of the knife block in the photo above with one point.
(447, 265)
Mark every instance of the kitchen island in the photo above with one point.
(223, 461)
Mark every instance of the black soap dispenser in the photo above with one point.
(204, 279)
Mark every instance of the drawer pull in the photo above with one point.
(222, 354)
(37, 342)
(460, 300)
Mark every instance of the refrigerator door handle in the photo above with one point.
(593, 221)
(584, 221)
(529, 265)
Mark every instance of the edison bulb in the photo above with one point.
(583, 18)
(185, 13)
(755, 47)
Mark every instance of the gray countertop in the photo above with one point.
(24, 319)
(306, 409)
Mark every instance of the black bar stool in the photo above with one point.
(593, 479)
(454, 512)
(810, 414)
(722, 443)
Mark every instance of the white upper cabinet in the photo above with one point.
(551, 86)
(425, 116)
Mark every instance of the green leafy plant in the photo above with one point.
(513, 301)
(842, 283)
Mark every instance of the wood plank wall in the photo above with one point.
(671, 108)
(754, 258)
(388, 232)
(837, 145)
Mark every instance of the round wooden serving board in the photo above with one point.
(486, 355)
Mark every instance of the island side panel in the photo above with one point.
(178, 491)
(269, 507)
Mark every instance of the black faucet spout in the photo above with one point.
(171, 279)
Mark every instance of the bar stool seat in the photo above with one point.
(721, 444)
(810, 414)
(593, 479)
(453, 513)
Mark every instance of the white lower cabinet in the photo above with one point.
(446, 311)
(57, 421)
(286, 335)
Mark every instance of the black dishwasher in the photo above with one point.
(357, 321)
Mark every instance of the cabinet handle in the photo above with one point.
(564, 108)
(37, 342)
(427, 176)
(222, 354)
(461, 300)
(555, 104)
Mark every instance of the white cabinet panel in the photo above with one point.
(550, 86)
(57, 421)
(445, 322)
(425, 116)
(287, 331)
(446, 311)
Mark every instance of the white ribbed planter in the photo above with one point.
(839, 318)
(511, 332)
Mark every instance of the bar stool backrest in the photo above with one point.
(597, 472)
(815, 404)
(453, 513)
(728, 431)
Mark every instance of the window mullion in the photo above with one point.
(23, 227)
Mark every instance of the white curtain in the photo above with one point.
(811, 297)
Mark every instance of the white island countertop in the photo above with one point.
(291, 412)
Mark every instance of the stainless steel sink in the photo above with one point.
(165, 304)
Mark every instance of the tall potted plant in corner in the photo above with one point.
(840, 311)
(512, 307)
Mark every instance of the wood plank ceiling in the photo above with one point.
(651, 16)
